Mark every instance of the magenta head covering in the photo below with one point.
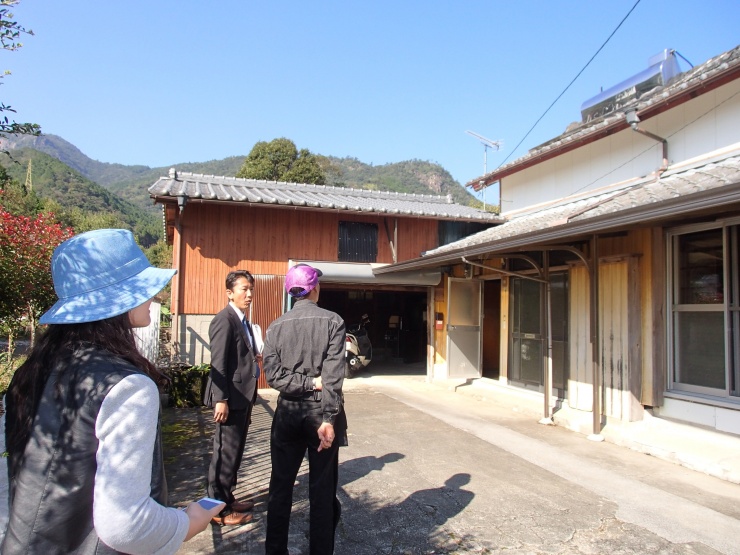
(302, 276)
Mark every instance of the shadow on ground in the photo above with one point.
(372, 521)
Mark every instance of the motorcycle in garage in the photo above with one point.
(358, 351)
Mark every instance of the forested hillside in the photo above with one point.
(413, 176)
(135, 189)
(131, 182)
(77, 198)
(101, 173)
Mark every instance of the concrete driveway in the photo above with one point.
(433, 471)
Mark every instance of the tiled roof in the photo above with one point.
(727, 63)
(319, 197)
(684, 185)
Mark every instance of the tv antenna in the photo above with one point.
(487, 143)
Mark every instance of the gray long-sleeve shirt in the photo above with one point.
(301, 345)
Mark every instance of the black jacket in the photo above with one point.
(233, 363)
(301, 345)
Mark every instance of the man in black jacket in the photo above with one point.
(304, 361)
(231, 392)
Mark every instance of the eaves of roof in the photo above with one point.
(230, 190)
(680, 194)
(706, 77)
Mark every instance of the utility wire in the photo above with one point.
(692, 122)
(571, 83)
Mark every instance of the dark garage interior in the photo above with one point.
(397, 328)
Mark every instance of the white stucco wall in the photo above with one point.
(702, 125)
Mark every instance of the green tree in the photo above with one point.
(82, 220)
(280, 160)
(160, 254)
(15, 198)
(10, 32)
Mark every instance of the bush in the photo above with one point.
(187, 385)
(8, 366)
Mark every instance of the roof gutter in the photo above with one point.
(642, 215)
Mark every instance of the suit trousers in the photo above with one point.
(229, 440)
(294, 428)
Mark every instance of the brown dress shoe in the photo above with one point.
(232, 519)
(242, 506)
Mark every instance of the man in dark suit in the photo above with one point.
(231, 392)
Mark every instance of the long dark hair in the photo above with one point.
(57, 343)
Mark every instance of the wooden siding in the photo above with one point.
(504, 350)
(620, 358)
(217, 238)
(580, 381)
(440, 307)
(648, 245)
(654, 355)
(637, 300)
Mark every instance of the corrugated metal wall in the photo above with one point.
(147, 339)
(267, 304)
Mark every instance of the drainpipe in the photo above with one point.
(633, 119)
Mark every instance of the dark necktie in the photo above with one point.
(248, 330)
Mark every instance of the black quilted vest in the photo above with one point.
(51, 484)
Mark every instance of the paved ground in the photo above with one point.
(431, 471)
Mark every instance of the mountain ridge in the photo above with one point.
(75, 196)
(131, 182)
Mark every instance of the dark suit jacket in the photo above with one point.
(233, 363)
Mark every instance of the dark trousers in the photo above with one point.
(294, 428)
(229, 439)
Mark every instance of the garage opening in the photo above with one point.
(397, 328)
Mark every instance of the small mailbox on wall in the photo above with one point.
(438, 321)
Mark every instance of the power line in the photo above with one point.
(571, 83)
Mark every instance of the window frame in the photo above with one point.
(729, 307)
(345, 239)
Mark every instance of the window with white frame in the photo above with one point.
(705, 310)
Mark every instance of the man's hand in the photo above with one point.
(317, 383)
(221, 412)
(326, 435)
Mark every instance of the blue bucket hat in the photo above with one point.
(101, 274)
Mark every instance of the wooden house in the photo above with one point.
(613, 287)
(218, 224)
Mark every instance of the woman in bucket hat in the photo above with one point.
(85, 464)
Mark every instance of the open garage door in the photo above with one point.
(398, 325)
(396, 304)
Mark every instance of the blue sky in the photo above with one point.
(169, 81)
